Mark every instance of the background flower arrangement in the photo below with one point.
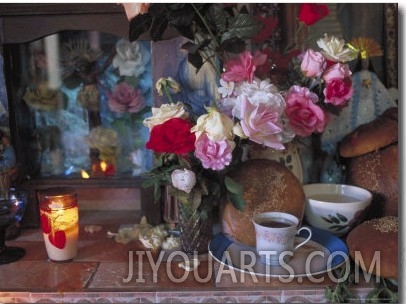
(95, 101)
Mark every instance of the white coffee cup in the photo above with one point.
(275, 234)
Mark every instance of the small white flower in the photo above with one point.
(226, 88)
(183, 180)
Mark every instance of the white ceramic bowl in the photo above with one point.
(336, 208)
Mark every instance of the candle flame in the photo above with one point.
(84, 174)
(103, 166)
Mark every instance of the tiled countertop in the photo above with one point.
(109, 272)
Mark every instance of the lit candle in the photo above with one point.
(52, 57)
(59, 222)
(103, 166)
(84, 174)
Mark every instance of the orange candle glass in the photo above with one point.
(59, 222)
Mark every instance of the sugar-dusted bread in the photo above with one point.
(371, 136)
(378, 172)
(268, 186)
(373, 245)
(372, 154)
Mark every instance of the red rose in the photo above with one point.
(172, 136)
(268, 26)
(310, 13)
(276, 63)
(338, 91)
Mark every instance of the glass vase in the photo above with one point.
(195, 223)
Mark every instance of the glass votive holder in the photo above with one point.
(59, 214)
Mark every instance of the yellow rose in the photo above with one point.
(165, 112)
(218, 126)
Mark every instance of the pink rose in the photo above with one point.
(313, 63)
(261, 123)
(337, 70)
(126, 99)
(240, 68)
(338, 91)
(214, 155)
(305, 116)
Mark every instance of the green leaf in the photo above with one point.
(181, 17)
(235, 193)
(180, 14)
(139, 25)
(216, 16)
(184, 163)
(233, 186)
(158, 27)
(234, 45)
(196, 60)
(242, 26)
(237, 201)
(195, 47)
(157, 192)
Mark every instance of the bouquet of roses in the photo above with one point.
(192, 154)
(196, 153)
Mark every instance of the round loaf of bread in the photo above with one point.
(268, 186)
(373, 245)
(378, 172)
(371, 136)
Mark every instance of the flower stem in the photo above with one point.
(168, 93)
(207, 57)
(206, 25)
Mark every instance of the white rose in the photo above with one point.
(263, 92)
(218, 126)
(131, 58)
(334, 49)
(183, 180)
(165, 112)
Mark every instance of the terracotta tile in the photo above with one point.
(46, 276)
(226, 277)
(15, 297)
(34, 250)
(162, 275)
